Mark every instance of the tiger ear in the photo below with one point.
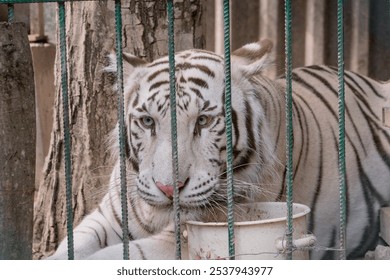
(253, 58)
(130, 62)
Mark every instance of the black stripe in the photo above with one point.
(347, 111)
(370, 234)
(105, 237)
(135, 135)
(201, 194)
(329, 86)
(374, 128)
(322, 68)
(358, 93)
(301, 81)
(350, 77)
(141, 252)
(300, 115)
(158, 84)
(335, 148)
(153, 96)
(382, 153)
(199, 82)
(202, 68)
(249, 127)
(162, 105)
(135, 102)
(282, 190)
(235, 128)
(242, 163)
(364, 79)
(207, 58)
(134, 164)
(206, 104)
(306, 135)
(251, 143)
(102, 243)
(127, 149)
(211, 108)
(369, 84)
(320, 170)
(370, 193)
(116, 216)
(217, 161)
(117, 219)
(197, 92)
(352, 120)
(278, 135)
(144, 226)
(89, 233)
(156, 73)
(362, 99)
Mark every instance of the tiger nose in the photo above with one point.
(168, 189)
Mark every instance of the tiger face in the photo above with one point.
(201, 138)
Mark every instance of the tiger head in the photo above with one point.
(201, 135)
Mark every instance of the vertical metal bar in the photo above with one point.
(289, 127)
(228, 124)
(66, 129)
(122, 129)
(341, 117)
(175, 156)
(11, 13)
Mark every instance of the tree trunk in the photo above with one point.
(17, 142)
(90, 38)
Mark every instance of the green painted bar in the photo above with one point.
(175, 156)
(341, 117)
(229, 131)
(122, 129)
(289, 127)
(11, 12)
(66, 132)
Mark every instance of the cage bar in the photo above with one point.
(121, 128)
(11, 12)
(341, 120)
(66, 129)
(229, 132)
(172, 95)
(289, 127)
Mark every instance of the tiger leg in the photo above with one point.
(160, 246)
(93, 234)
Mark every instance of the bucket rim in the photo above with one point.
(305, 210)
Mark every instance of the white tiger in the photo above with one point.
(258, 115)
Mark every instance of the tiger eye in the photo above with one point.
(147, 121)
(202, 120)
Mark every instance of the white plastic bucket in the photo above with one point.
(263, 238)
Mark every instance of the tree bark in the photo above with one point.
(17, 142)
(91, 35)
